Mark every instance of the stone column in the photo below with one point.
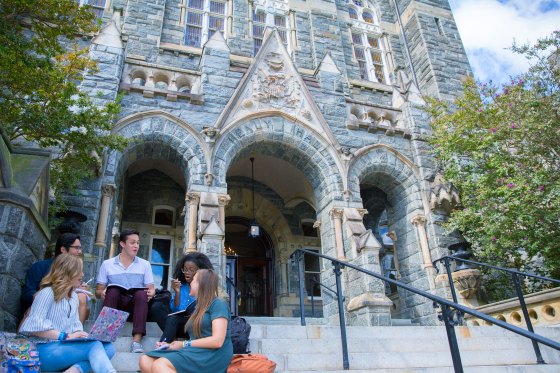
(419, 221)
(223, 201)
(336, 215)
(108, 191)
(193, 198)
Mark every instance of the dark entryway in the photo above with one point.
(250, 268)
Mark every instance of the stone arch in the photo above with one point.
(285, 139)
(397, 171)
(393, 183)
(158, 135)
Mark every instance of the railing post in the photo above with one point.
(519, 292)
(299, 258)
(447, 265)
(337, 271)
(452, 338)
(313, 299)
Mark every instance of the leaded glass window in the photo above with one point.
(203, 18)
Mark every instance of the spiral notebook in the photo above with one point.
(107, 326)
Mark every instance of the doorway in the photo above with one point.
(250, 271)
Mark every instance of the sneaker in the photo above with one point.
(137, 348)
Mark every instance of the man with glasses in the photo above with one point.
(67, 243)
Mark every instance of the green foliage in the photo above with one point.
(41, 66)
(501, 148)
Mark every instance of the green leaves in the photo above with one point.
(500, 147)
(41, 66)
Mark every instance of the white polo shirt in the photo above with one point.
(137, 275)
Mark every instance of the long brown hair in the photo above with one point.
(207, 292)
(64, 268)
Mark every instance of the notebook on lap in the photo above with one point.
(107, 327)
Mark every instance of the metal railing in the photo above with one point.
(450, 311)
(515, 276)
(236, 295)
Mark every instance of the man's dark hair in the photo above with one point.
(199, 259)
(127, 232)
(64, 240)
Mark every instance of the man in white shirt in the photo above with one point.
(126, 282)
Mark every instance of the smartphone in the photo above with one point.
(162, 347)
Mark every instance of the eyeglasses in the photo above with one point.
(189, 270)
(77, 247)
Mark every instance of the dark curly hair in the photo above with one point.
(199, 259)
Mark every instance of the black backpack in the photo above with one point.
(240, 330)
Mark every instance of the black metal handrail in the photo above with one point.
(515, 275)
(315, 281)
(449, 310)
(236, 295)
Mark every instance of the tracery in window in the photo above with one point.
(203, 18)
(273, 14)
(259, 24)
(366, 41)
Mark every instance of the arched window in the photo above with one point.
(204, 17)
(366, 42)
(279, 19)
(163, 216)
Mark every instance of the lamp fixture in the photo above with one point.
(254, 229)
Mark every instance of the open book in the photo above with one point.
(189, 310)
(124, 289)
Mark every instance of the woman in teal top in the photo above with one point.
(186, 268)
(210, 349)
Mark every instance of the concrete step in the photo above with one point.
(316, 348)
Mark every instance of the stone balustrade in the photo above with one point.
(543, 307)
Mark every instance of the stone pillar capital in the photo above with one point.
(336, 213)
(193, 198)
(362, 212)
(108, 190)
(224, 199)
(419, 220)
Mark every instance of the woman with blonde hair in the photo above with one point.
(210, 349)
(54, 317)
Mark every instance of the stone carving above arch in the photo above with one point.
(376, 118)
(443, 195)
(272, 84)
(152, 80)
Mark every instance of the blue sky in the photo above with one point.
(489, 27)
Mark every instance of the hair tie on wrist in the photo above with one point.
(62, 336)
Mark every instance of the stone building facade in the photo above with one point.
(325, 97)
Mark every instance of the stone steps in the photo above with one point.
(317, 348)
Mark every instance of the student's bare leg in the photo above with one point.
(83, 310)
(146, 363)
(162, 365)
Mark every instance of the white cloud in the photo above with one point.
(489, 27)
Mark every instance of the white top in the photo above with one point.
(47, 314)
(137, 275)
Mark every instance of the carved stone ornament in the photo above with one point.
(108, 190)
(443, 195)
(209, 178)
(210, 133)
(274, 86)
(467, 281)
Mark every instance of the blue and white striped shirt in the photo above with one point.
(47, 314)
(137, 275)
